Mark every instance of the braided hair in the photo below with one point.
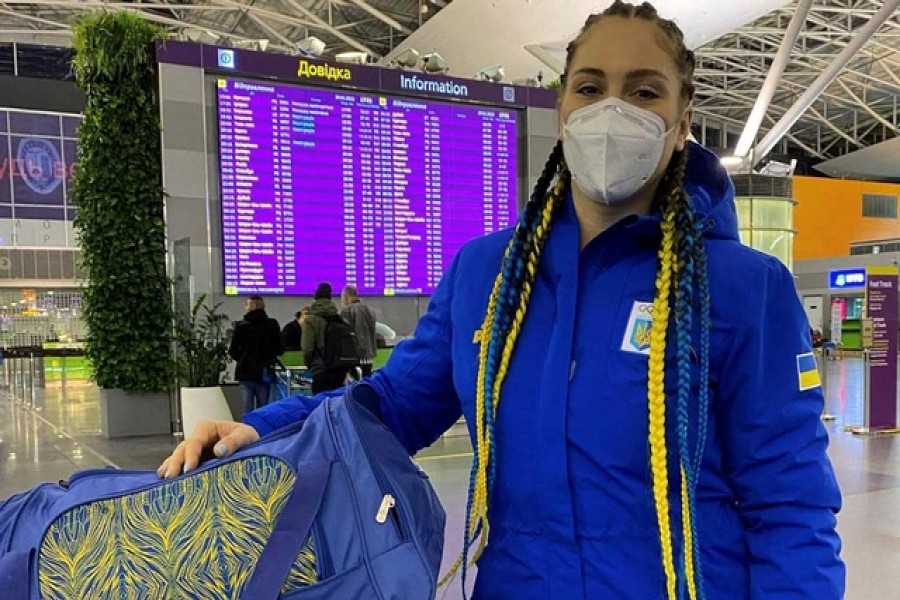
(681, 290)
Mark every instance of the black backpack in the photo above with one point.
(340, 345)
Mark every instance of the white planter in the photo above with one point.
(203, 404)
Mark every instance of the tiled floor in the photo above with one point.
(60, 437)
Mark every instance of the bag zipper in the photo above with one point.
(323, 554)
(397, 510)
(389, 506)
(329, 421)
(87, 473)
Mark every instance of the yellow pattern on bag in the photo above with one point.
(196, 537)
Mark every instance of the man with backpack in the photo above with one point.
(328, 343)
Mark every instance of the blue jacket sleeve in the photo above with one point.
(282, 413)
(417, 399)
(775, 450)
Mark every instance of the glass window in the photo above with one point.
(743, 212)
(772, 213)
(47, 62)
(6, 59)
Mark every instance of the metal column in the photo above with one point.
(772, 79)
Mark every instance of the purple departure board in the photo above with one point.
(356, 188)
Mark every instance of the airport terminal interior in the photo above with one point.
(395, 111)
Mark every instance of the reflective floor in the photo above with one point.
(61, 436)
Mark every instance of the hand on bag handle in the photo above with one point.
(220, 438)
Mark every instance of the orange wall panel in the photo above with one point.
(828, 216)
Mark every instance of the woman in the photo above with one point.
(635, 387)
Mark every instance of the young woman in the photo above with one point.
(635, 381)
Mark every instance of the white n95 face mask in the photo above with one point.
(612, 148)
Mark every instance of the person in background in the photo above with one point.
(255, 345)
(320, 324)
(362, 319)
(292, 331)
(638, 385)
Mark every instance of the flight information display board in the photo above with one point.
(353, 187)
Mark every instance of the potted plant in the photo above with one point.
(120, 222)
(201, 356)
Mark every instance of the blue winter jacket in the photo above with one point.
(572, 514)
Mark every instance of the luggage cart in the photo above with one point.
(290, 381)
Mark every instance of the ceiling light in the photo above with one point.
(434, 63)
(310, 46)
(775, 168)
(408, 59)
(353, 58)
(199, 36)
(260, 44)
(495, 74)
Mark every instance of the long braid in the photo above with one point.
(518, 273)
(705, 328)
(656, 396)
(684, 221)
(512, 283)
(703, 399)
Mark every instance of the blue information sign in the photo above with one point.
(847, 279)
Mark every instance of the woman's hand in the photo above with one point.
(221, 437)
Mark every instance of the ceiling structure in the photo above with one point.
(857, 110)
(543, 30)
(736, 41)
(372, 26)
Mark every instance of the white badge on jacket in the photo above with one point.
(637, 334)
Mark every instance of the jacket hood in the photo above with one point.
(324, 307)
(256, 316)
(710, 189)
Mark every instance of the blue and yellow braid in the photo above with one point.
(656, 395)
(686, 241)
(687, 260)
(703, 394)
(505, 312)
(705, 328)
(682, 266)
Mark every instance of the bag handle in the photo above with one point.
(291, 532)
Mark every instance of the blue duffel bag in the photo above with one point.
(331, 508)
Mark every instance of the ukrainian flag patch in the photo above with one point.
(808, 372)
